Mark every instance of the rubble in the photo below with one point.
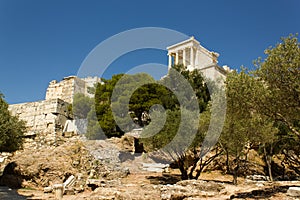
(155, 167)
(258, 178)
(191, 189)
(70, 163)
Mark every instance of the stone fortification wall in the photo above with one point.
(65, 89)
(46, 119)
(48, 116)
(69, 86)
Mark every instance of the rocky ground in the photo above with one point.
(157, 186)
(107, 170)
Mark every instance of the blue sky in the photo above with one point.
(42, 40)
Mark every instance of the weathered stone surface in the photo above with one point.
(294, 191)
(69, 182)
(155, 167)
(191, 189)
(69, 86)
(48, 189)
(258, 178)
(46, 116)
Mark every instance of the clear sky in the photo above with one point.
(42, 40)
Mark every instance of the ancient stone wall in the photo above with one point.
(69, 86)
(65, 89)
(45, 120)
(46, 116)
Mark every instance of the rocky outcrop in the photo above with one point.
(50, 165)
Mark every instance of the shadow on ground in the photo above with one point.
(7, 193)
(164, 179)
(261, 194)
(216, 181)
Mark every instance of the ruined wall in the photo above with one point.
(46, 116)
(69, 86)
(45, 121)
(65, 89)
(49, 116)
(90, 82)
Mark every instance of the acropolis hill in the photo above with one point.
(58, 163)
(52, 115)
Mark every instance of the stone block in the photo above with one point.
(294, 191)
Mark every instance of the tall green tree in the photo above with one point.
(244, 125)
(180, 136)
(103, 107)
(11, 129)
(235, 133)
(195, 80)
(280, 74)
(279, 96)
(124, 94)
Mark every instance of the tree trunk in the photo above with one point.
(235, 177)
(227, 162)
(236, 171)
(184, 174)
(268, 159)
(195, 161)
(283, 170)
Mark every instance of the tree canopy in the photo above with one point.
(262, 112)
(11, 129)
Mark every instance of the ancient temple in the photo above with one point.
(194, 56)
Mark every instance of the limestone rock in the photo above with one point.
(258, 178)
(43, 168)
(294, 191)
(191, 189)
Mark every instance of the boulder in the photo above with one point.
(293, 191)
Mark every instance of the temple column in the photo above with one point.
(184, 57)
(176, 58)
(170, 61)
(192, 57)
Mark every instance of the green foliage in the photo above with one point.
(195, 80)
(94, 131)
(135, 94)
(159, 133)
(81, 105)
(279, 99)
(280, 73)
(263, 108)
(238, 112)
(11, 129)
(148, 95)
(126, 100)
(178, 137)
(244, 125)
(103, 107)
